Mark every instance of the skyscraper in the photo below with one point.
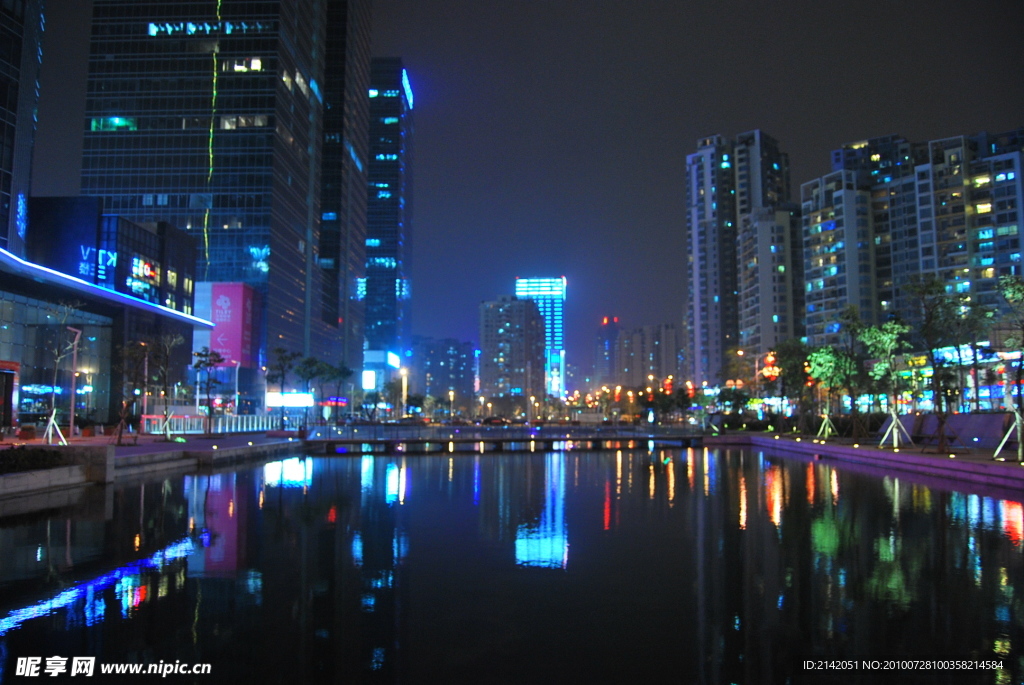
(208, 115)
(389, 205)
(344, 165)
(21, 28)
(725, 180)
(549, 294)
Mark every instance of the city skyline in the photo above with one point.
(530, 137)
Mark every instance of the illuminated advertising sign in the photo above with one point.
(289, 399)
(232, 308)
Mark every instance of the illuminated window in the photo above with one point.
(113, 124)
(984, 207)
(373, 242)
(982, 180)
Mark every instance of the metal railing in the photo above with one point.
(183, 424)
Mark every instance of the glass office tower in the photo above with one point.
(208, 115)
(389, 205)
(549, 294)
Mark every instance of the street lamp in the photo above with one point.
(451, 404)
(405, 387)
(529, 408)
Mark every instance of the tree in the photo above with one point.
(937, 311)
(307, 369)
(884, 343)
(59, 345)
(794, 383)
(1012, 290)
(338, 375)
(162, 354)
(282, 364)
(206, 360)
(834, 368)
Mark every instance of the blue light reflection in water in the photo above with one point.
(545, 567)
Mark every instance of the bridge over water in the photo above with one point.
(388, 438)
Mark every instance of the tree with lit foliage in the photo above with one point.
(884, 343)
(1012, 290)
(833, 368)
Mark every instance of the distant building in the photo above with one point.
(549, 294)
(443, 365)
(511, 349)
(649, 351)
(605, 349)
(389, 207)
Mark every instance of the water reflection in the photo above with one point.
(519, 567)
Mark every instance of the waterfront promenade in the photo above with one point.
(148, 454)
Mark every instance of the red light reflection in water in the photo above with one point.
(607, 504)
(811, 485)
(1013, 521)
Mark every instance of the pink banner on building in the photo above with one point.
(232, 310)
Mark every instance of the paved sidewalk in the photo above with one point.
(156, 444)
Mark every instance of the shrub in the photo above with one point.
(23, 458)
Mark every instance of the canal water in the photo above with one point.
(680, 566)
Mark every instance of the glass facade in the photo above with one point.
(388, 206)
(36, 360)
(21, 27)
(549, 294)
(207, 116)
(344, 165)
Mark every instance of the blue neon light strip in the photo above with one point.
(407, 86)
(35, 271)
(178, 550)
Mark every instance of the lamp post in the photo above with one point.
(405, 387)
(451, 405)
(74, 365)
(529, 409)
(238, 369)
(145, 388)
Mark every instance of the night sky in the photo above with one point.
(551, 136)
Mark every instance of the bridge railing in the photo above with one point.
(387, 432)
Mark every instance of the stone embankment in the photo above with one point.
(974, 465)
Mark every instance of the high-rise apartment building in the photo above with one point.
(726, 180)
(770, 279)
(21, 28)
(511, 348)
(549, 294)
(208, 116)
(344, 172)
(945, 209)
(389, 206)
(839, 254)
